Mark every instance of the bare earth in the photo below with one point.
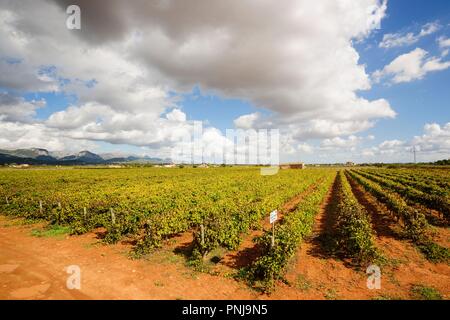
(35, 268)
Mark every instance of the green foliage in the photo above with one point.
(51, 231)
(227, 220)
(290, 233)
(414, 222)
(153, 204)
(445, 162)
(353, 227)
(421, 292)
(434, 252)
(434, 197)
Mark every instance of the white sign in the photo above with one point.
(273, 216)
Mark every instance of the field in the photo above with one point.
(212, 223)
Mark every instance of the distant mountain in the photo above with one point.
(42, 156)
(26, 153)
(85, 157)
(120, 157)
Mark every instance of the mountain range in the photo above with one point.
(43, 156)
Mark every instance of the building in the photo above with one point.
(349, 163)
(115, 166)
(20, 166)
(299, 165)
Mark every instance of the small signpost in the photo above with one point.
(85, 214)
(113, 216)
(273, 218)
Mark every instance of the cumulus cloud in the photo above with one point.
(444, 42)
(341, 143)
(305, 148)
(432, 145)
(436, 139)
(17, 109)
(176, 115)
(294, 58)
(247, 121)
(410, 66)
(444, 45)
(391, 40)
(16, 135)
(283, 65)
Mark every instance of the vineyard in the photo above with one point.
(222, 207)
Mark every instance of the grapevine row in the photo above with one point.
(353, 226)
(289, 235)
(432, 201)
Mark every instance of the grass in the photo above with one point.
(190, 275)
(331, 294)
(387, 297)
(421, 292)
(207, 264)
(51, 231)
(302, 283)
(434, 252)
(18, 221)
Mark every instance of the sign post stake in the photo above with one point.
(113, 216)
(273, 234)
(202, 234)
(84, 214)
(273, 217)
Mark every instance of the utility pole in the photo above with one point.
(414, 151)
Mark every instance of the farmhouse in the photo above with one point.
(20, 166)
(298, 165)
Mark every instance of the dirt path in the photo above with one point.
(314, 273)
(35, 268)
(405, 265)
(248, 251)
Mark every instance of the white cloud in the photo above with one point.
(29, 135)
(436, 139)
(391, 40)
(247, 121)
(17, 109)
(294, 58)
(444, 42)
(340, 143)
(410, 66)
(176, 115)
(432, 145)
(305, 148)
(390, 144)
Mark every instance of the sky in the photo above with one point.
(361, 81)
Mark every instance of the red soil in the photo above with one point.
(248, 251)
(34, 268)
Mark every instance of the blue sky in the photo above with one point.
(97, 104)
(417, 102)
